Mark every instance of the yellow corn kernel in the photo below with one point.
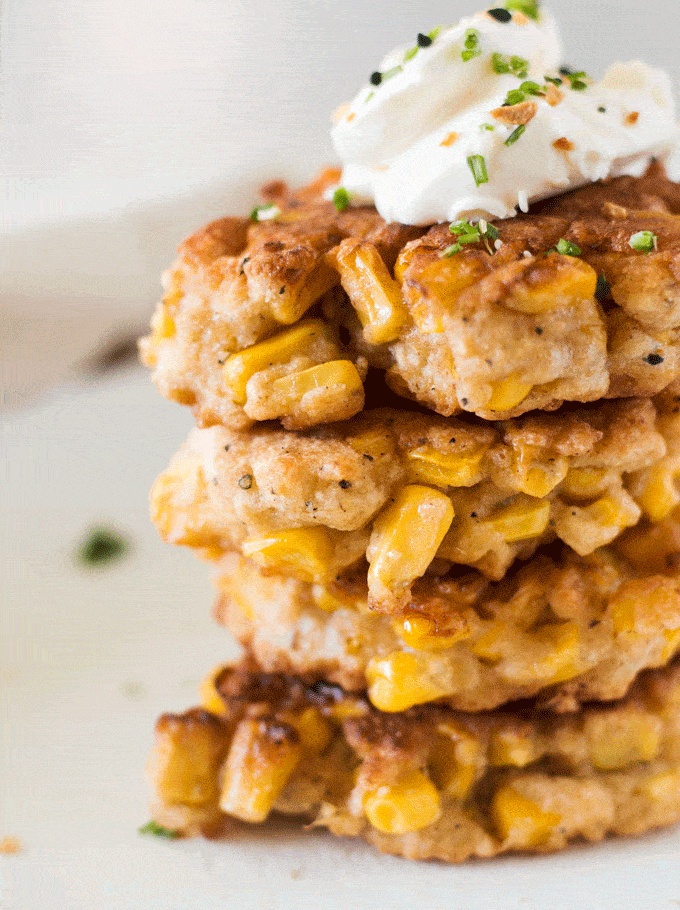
(335, 598)
(420, 632)
(181, 526)
(441, 282)
(521, 520)
(558, 282)
(262, 757)
(409, 805)
(210, 697)
(429, 465)
(238, 368)
(606, 511)
(508, 748)
(334, 376)
(672, 637)
(659, 495)
(617, 740)
(372, 291)
(507, 394)
(407, 535)
(520, 822)
(315, 731)
(186, 757)
(662, 788)
(454, 760)
(491, 646)
(583, 483)
(398, 682)
(304, 553)
(162, 325)
(562, 639)
(623, 609)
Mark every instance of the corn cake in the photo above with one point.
(565, 628)
(415, 493)
(280, 318)
(424, 783)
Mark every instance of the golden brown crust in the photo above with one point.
(427, 783)
(496, 332)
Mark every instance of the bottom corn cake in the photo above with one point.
(425, 783)
(567, 628)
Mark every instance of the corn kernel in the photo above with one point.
(420, 632)
(508, 748)
(162, 325)
(623, 609)
(557, 282)
(398, 682)
(304, 553)
(409, 805)
(672, 637)
(521, 520)
(238, 368)
(507, 394)
(260, 762)
(490, 646)
(407, 535)
(334, 376)
(442, 282)
(374, 294)
(606, 511)
(210, 697)
(562, 639)
(182, 527)
(583, 483)
(520, 822)
(659, 495)
(186, 757)
(429, 465)
(315, 731)
(662, 788)
(616, 740)
(453, 760)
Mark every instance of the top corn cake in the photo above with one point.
(281, 318)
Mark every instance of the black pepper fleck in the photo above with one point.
(245, 482)
(463, 401)
(452, 440)
(226, 448)
(654, 359)
(500, 15)
(538, 330)
(593, 623)
(423, 40)
(376, 78)
(602, 110)
(282, 291)
(473, 514)
(367, 457)
(344, 484)
(422, 441)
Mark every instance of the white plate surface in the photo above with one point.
(89, 658)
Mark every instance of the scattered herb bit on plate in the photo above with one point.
(157, 830)
(102, 545)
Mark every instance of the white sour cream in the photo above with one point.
(405, 143)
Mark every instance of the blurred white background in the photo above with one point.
(126, 124)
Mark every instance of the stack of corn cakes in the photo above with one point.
(434, 474)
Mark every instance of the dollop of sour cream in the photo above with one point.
(441, 133)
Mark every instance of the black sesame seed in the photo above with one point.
(246, 482)
(376, 78)
(424, 40)
(500, 15)
(344, 484)
(654, 359)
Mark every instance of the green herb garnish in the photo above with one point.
(265, 212)
(410, 54)
(464, 233)
(487, 126)
(643, 241)
(472, 48)
(102, 545)
(576, 80)
(514, 66)
(477, 165)
(530, 8)
(159, 831)
(567, 248)
(341, 199)
(515, 134)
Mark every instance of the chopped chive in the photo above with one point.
(472, 48)
(477, 165)
(434, 34)
(368, 97)
(500, 64)
(531, 88)
(519, 66)
(643, 241)
(530, 8)
(554, 79)
(341, 199)
(515, 134)
(576, 80)
(410, 54)
(265, 212)
(424, 40)
(500, 15)
(602, 289)
(102, 545)
(158, 830)
(567, 248)
(516, 66)
(487, 126)
(515, 96)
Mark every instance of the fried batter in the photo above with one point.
(403, 488)
(426, 783)
(496, 329)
